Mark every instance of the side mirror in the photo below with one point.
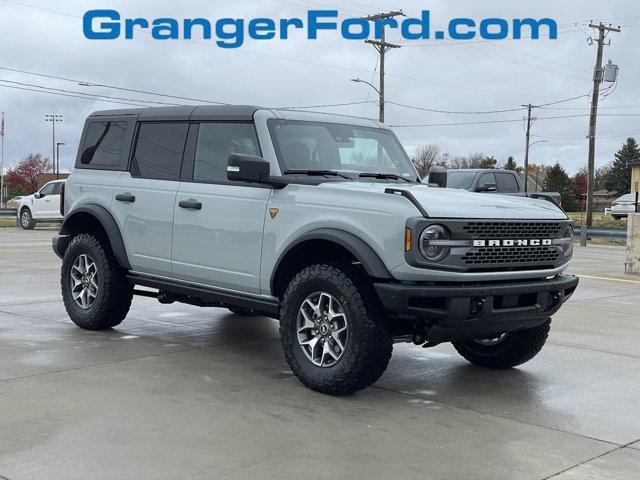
(38, 195)
(247, 168)
(487, 187)
(438, 176)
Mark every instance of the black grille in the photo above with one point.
(512, 255)
(513, 230)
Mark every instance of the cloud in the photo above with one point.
(460, 77)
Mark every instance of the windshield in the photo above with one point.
(461, 180)
(340, 148)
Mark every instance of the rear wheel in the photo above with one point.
(616, 217)
(95, 289)
(334, 332)
(26, 219)
(506, 350)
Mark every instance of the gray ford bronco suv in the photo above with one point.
(317, 220)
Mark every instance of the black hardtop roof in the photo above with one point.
(185, 112)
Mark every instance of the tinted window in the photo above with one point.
(158, 152)
(461, 180)
(47, 189)
(103, 143)
(486, 179)
(216, 141)
(507, 183)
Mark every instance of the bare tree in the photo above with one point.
(424, 157)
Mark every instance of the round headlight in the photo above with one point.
(429, 240)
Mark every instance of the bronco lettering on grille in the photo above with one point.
(512, 243)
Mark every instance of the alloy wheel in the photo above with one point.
(322, 329)
(84, 281)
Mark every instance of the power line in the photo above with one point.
(93, 95)
(114, 87)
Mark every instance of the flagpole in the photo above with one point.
(2, 165)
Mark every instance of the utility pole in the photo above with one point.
(382, 47)
(58, 158)
(597, 79)
(526, 147)
(53, 118)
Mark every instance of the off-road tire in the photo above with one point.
(616, 217)
(26, 219)
(515, 349)
(115, 293)
(243, 312)
(369, 342)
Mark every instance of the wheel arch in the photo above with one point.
(325, 244)
(91, 217)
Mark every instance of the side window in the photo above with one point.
(47, 189)
(158, 151)
(56, 188)
(216, 141)
(103, 143)
(507, 183)
(486, 180)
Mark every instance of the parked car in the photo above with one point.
(13, 202)
(493, 180)
(317, 220)
(623, 206)
(42, 206)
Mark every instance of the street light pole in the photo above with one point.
(58, 158)
(53, 118)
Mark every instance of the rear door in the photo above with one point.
(218, 225)
(144, 196)
(507, 183)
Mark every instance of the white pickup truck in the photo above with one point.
(42, 206)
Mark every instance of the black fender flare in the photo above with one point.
(109, 225)
(361, 250)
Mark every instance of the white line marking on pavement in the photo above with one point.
(609, 278)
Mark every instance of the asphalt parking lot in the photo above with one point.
(182, 392)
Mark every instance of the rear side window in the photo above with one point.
(103, 144)
(507, 183)
(158, 150)
(216, 141)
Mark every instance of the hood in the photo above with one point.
(454, 203)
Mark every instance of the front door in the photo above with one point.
(144, 197)
(42, 206)
(217, 224)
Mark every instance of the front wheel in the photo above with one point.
(506, 350)
(334, 332)
(95, 289)
(26, 219)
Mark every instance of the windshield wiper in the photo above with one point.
(387, 176)
(317, 172)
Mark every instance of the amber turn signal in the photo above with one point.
(407, 239)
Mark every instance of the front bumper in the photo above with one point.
(460, 311)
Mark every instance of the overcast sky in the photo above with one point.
(456, 76)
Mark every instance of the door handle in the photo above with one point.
(191, 204)
(125, 197)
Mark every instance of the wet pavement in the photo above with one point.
(177, 391)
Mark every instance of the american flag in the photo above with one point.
(2, 126)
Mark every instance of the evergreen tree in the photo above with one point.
(488, 162)
(511, 164)
(557, 180)
(618, 178)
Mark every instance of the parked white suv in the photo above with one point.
(42, 206)
(317, 220)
